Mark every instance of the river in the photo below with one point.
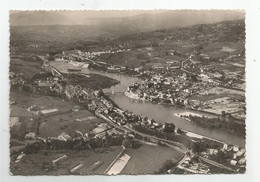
(160, 113)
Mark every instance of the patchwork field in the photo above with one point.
(93, 162)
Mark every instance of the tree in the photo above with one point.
(179, 131)
(194, 78)
(169, 127)
(195, 147)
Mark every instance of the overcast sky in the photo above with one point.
(86, 16)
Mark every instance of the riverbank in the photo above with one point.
(160, 113)
(217, 123)
(163, 113)
(135, 96)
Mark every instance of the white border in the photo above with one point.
(252, 8)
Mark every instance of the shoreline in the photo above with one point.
(135, 96)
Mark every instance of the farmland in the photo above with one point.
(41, 163)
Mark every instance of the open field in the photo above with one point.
(24, 100)
(222, 91)
(55, 125)
(148, 159)
(27, 65)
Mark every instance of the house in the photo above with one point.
(233, 162)
(186, 102)
(225, 146)
(242, 160)
(213, 151)
(235, 148)
(184, 76)
(64, 137)
(239, 153)
(156, 124)
(150, 121)
(167, 82)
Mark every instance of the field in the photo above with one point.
(24, 100)
(223, 91)
(177, 44)
(41, 163)
(57, 124)
(27, 65)
(148, 159)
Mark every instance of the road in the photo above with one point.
(177, 146)
(216, 164)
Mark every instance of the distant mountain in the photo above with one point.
(32, 18)
(90, 25)
(169, 19)
(136, 20)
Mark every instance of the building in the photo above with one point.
(242, 160)
(235, 148)
(233, 162)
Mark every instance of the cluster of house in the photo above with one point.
(176, 89)
(91, 139)
(235, 155)
(78, 55)
(47, 81)
(171, 90)
(16, 78)
(238, 155)
(207, 73)
(192, 165)
(95, 101)
(83, 59)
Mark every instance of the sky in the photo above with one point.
(87, 16)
